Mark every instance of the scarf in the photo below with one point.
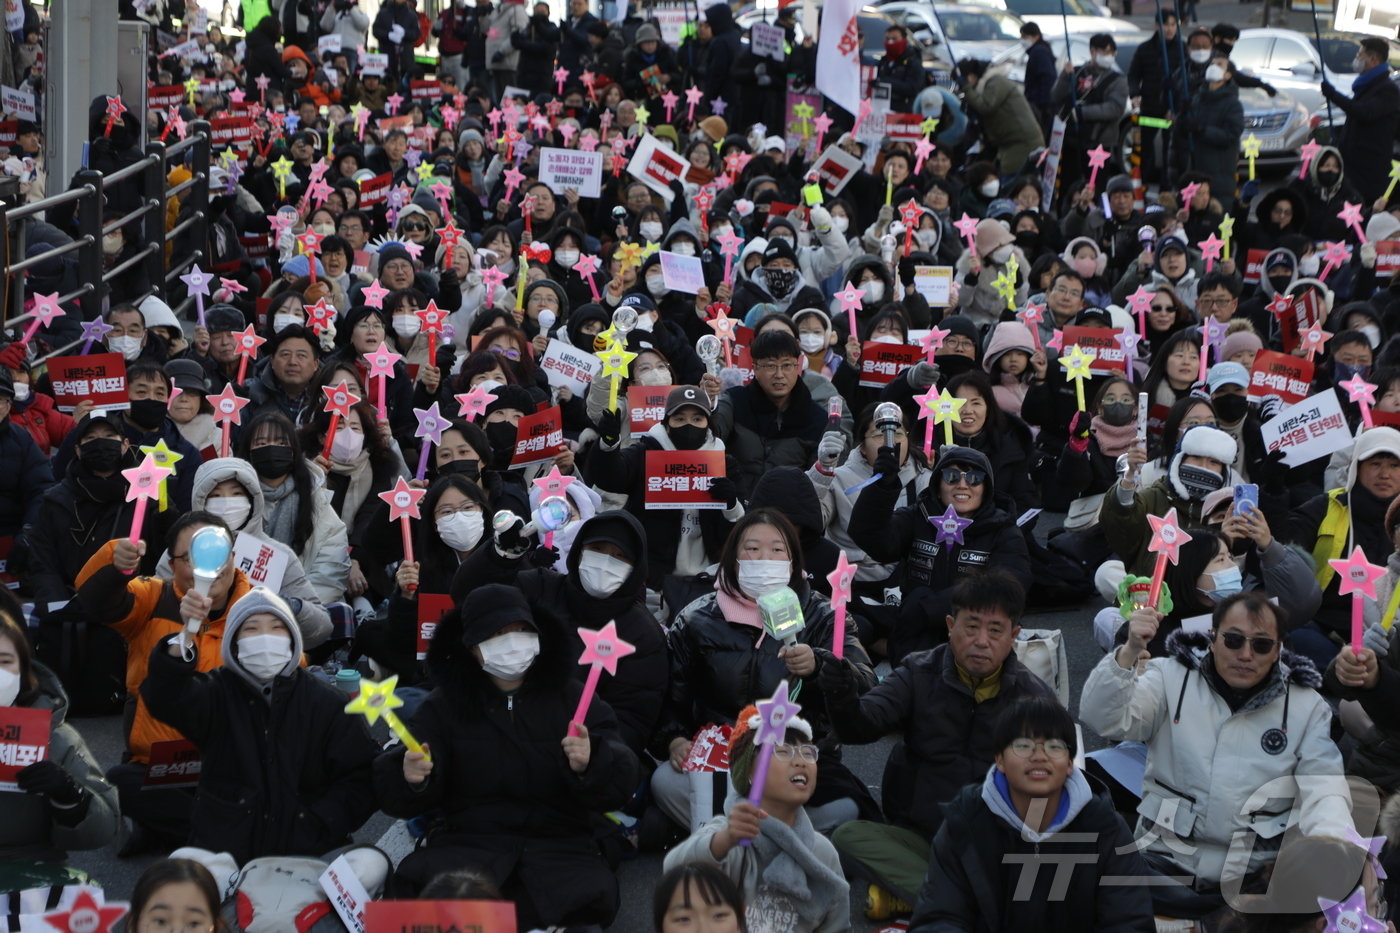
(738, 610)
(359, 476)
(1366, 77)
(280, 521)
(1113, 439)
(791, 878)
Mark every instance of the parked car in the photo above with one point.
(1281, 124)
(1054, 17)
(957, 31)
(1291, 61)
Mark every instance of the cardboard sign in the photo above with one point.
(374, 63)
(568, 367)
(375, 191)
(1254, 265)
(880, 363)
(346, 893)
(1109, 358)
(426, 90)
(260, 562)
(539, 437)
(935, 283)
(1387, 258)
(24, 740)
(1278, 375)
(682, 273)
(175, 763)
(834, 169)
(680, 479)
(561, 169)
(709, 750)
(431, 608)
(655, 164)
(767, 41)
(1303, 311)
(646, 406)
(165, 96)
(100, 377)
(904, 127)
(17, 103)
(440, 917)
(231, 131)
(1311, 429)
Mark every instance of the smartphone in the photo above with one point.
(1246, 494)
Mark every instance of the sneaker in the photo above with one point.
(882, 905)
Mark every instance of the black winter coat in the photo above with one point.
(537, 43)
(24, 479)
(1369, 133)
(905, 76)
(283, 774)
(724, 51)
(1159, 88)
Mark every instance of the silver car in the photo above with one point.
(1280, 123)
(1290, 61)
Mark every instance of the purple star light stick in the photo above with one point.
(431, 424)
(774, 714)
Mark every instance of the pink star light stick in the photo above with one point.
(928, 404)
(1335, 254)
(841, 580)
(403, 506)
(821, 123)
(431, 424)
(1187, 194)
(46, 310)
(1357, 576)
(967, 229)
(1141, 302)
(1167, 539)
(493, 277)
(1098, 158)
(143, 484)
(1210, 250)
(381, 364)
(586, 267)
(1313, 338)
(1363, 393)
(433, 319)
(669, 101)
(774, 714)
(932, 342)
(851, 302)
(228, 411)
(339, 401)
(862, 112)
(723, 325)
(1307, 153)
(693, 96)
(729, 243)
(1350, 214)
(472, 405)
(1212, 333)
(922, 150)
(1031, 317)
(560, 76)
(602, 648)
(247, 349)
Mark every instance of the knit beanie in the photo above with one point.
(741, 745)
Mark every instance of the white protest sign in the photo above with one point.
(561, 169)
(935, 283)
(1311, 429)
(260, 562)
(374, 63)
(835, 168)
(328, 43)
(655, 164)
(566, 366)
(17, 103)
(767, 41)
(347, 894)
(14, 15)
(682, 273)
(671, 20)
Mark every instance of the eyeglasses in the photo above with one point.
(510, 354)
(1054, 749)
(412, 227)
(1235, 641)
(786, 752)
(959, 343)
(952, 476)
(1061, 290)
(449, 511)
(371, 326)
(1214, 302)
(769, 368)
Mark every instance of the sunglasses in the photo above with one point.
(417, 228)
(1235, 641)
(952, 476)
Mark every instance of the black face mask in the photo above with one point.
(501, 434)
(148, 413)
(1280, 283)
(1118, 413)
(687, 436)
(271, 462)
(1028, 240)
(781, 282)
(1230, 408)
(471, 469)
(101, 454)
(954, 364)
(1328, 178)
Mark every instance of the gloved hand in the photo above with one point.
(509, 540)
(446, 358)
(830, 448)
(610, 427)
(821, 219)
(1377, 639)
(1368, 255)
(922, 374)
(12, 357)
(722, 489)
(1079, 432)
(887, 463)
(543, 557)
(1269, 89)
(1249, 191)
(396, 33)
(48, 779)
(1275, 473)
(884, 217)
(835, 678)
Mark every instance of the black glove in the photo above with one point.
(1270, 90)
(722, 489)
(610, 426)
(835, 678)
(543, 557)
(446, 358)
(1275, 473)
(887, 463)
(1079, 425)
(48, 779)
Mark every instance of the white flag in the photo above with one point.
(838, 54)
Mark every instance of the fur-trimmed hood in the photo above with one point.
(1191, 649)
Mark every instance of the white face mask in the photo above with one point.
(811, 343)
(128, 347)
(234, 510)
(1104, 61)
(873, 291)
(1027, 43)
(1373, 335)
(9, 687)
(1308, 266)
(656, 285)
(281, 322)
(761, 577)
(840, 224)
(990, 187)
(645, 322)
(602, 574)
(1200, 56)
(658, 376)
(461, 531)
(324, 229)
(650, 229)
(1215, 73)
(22, 391)
(112, 244)
(717, 232)
(347, 445)
(510, 655)
(407, 325)
(885, 338)
(1001, 254)
(264, 656)
(568, 258)
(683, 249)
(490, 385)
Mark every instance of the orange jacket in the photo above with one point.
(145, 611)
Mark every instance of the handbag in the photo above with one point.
(1083, 514)
(1042, 652)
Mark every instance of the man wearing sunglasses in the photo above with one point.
(1238, 744)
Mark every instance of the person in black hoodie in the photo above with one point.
(787, 490)
(603, 581)
(965, 486)
(27, 475)
(723, 52)
(521, 788)
(1325, 190)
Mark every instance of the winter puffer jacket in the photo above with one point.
(24, 480)
(759, 436)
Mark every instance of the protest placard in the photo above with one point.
(347, 893)
(835, 168)
(17, 103)
(1281, 376)
(767, 41)
(538, 437)
(260, 562)
(374, 63)
(1109, 358)
(24, 740)
(431, 608)
(646, 405)
(1311, 429)
(473, 916)
(175, 763)
(561, 169)
(935, 283)
(655, 164)
(566, 366)
(682, 273)
(680, 479)
(98, 376)
(880, 363)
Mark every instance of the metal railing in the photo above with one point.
(87, 192)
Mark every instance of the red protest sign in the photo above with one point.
(1302, 312)
(1157, 419)
(1280, 375)
(880, 363)
(427, 90)
(656, 165)
(646, 405)
(709, 750)
(231, 131)
(538, 437)
(173, 764)
(1387, 258)
(1109, 358)
(431, 608)
(835, 168)
(375, 190)
(100, 377)
(904, 127)
(164, 97)
(680, 479)
(1254, 265)
(24, 740)
(254, 244)
(9, 132)
(414, 916)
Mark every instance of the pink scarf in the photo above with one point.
(1113, 440)
(737, 609)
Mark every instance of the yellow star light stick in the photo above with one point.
(191, 88)
(1251, 152)
(1005, 283)
(165, 457)
(1076, 365)
(520, 281)
(945, 411)
(1227, 227)
(643, 117)
(615, 359)
(376, 700)
(928, 126)
(281, 169)
(630, 254)
(1394, 177)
